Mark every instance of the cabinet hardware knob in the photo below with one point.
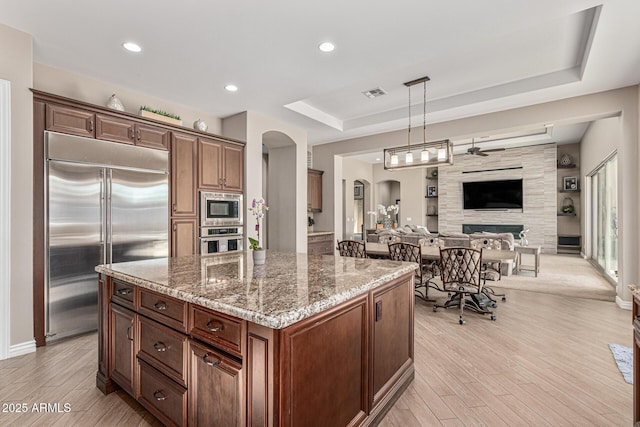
(139, 135)
(205, 358)
(129, 333)
(158, 395)
(175, 207)
(175, 227)
(160, 346)
(123, 291)
(212, 328)
(131, 133)
(90, 125)
(160, 305)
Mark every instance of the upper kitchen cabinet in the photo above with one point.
(183, 174)
(130, 132)
(314, 190)
(221, 165)
(70, 120)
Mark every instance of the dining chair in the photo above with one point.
(352, 248)
(413, 253)
(494, 268)
(461, 276)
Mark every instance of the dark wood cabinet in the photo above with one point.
(184, 236)
(123, 366)
(115, 129)
(70, 120)
(635, 310)
(59, 114)
(215, 391)
(392, 326)
(314, 190)
(233, 161)
(183, 175)
(220, 165)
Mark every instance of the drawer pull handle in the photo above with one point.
(205, 357)
(129, 333)
(160, 305)
(123, 291)
(158, 395)
(212, 328)
(160, 346)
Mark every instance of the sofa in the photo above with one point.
(413, 234)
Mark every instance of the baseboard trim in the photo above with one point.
(625, 305)
(22, 348)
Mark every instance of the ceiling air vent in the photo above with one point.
(374, 93)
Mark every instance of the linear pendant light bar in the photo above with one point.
(423, 154)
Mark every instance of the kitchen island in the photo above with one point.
(302, 340)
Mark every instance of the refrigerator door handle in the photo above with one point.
(109, 183)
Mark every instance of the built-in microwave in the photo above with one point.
(220, 239)
(220, 209)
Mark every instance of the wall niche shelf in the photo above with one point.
(569, 191)
(572, 166)
(432, 214)
(430, 197)
(566, 214)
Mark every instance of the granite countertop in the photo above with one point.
(288, 288)
(319, 233)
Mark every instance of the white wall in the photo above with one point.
(16, 67)
(251, 127)
(281, 201)
(88, 89)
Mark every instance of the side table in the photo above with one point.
(531, 250)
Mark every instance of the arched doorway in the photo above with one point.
(388, 194)
(279, 191)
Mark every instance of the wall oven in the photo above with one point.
(220, 239)
(220, 209)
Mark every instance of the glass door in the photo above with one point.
(604, 223)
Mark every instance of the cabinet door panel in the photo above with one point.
(152, 136)
(123, 352)
(183, 175)
(233, 168)
(314, 190)
(215, 397)
(184, 237)
(114, 129)
(70, 120)
(210, 164)
(392, 321)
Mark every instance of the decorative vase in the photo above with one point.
(114, 103)
(200, 125)
(387, 222)
(259, 256)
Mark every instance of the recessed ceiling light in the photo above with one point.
(132, 47)
(326, 47)
(231, 88)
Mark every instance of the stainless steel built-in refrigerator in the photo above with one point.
(106, 202)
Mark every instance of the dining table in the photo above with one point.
(433, 252)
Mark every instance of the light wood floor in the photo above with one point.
(544, 362)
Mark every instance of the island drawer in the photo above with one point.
(123, 294)
(164, 309)
(219, 329)
(164, 349)
(162, 397)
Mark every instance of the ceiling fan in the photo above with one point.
(477, 151)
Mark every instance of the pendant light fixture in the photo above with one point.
(432, 153)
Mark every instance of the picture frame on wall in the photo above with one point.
(432, 191)
(570, 183)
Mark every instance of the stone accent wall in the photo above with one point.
(539, 166)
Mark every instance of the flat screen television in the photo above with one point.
(503, 194)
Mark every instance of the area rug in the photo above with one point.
(624, 358)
